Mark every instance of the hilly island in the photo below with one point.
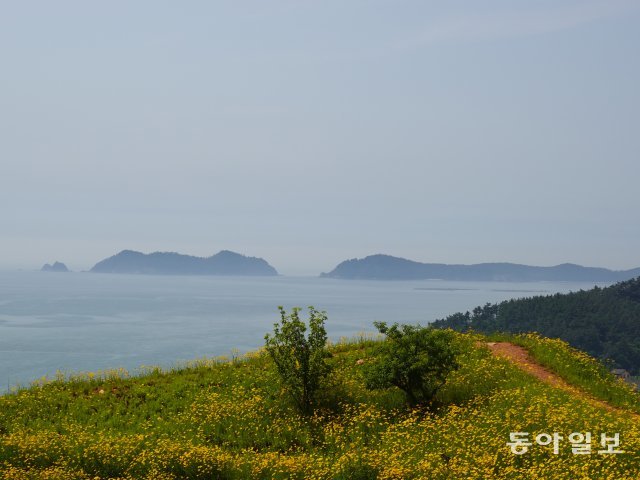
(56, 267)
(170, 263)
(387, 267)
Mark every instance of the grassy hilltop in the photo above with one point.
(230, 419)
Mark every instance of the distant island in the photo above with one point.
(386, 267)
(56, 267)
(171, 263)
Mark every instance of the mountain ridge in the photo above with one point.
(224, 262)
(387, 267)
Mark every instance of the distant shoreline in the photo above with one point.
(386, 267)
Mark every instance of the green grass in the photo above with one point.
(232, 420)
(577, 368)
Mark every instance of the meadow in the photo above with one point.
(230, 419)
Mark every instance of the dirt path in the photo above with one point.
(526, 362)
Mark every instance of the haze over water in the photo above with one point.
(88, 322)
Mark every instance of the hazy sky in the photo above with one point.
(309, 132)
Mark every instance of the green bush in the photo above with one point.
(300, 359)
(415, 359)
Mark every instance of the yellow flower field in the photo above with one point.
(220, 419)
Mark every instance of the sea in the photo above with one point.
(88, 322)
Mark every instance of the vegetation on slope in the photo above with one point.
(577, 368)
(604, 322)
(231, 419)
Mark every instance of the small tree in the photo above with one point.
(300, 359)
(415, 359)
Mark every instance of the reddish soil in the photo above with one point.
(522, 359)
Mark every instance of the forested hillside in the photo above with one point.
(605, 322)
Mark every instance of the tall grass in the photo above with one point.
(577, 368)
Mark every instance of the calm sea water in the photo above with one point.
(87, 322)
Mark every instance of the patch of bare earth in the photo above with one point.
(526, 362)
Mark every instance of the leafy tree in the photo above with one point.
(300, 359)
(415, 359)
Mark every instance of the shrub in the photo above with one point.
(415, 359)
(299, 359)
